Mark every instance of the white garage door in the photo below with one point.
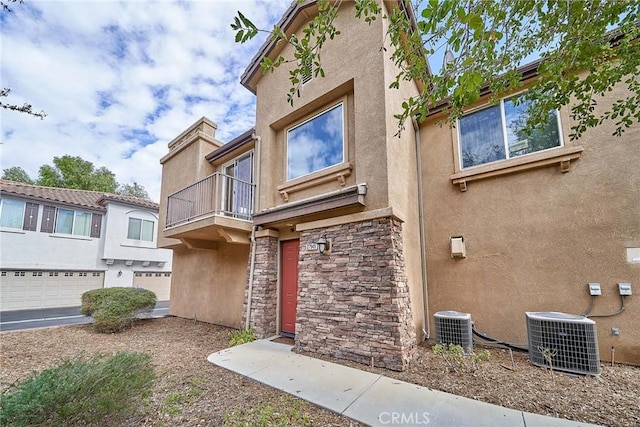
(157, 282)
(21, 290)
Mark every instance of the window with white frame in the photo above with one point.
(73, 222)
(316, 143)
(140, 229)
(498, 133)
(18, 214)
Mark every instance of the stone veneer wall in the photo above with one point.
(265, 288)
(354, 302)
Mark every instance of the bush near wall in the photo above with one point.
(115, 309)
(102, 390)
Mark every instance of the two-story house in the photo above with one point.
(57, 243)
(325, 224)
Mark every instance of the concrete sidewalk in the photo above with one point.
(369, 398)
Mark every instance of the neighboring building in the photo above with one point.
(57, 243)
(432, 219)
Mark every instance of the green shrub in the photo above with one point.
(101, 390)
(115, 309)
(241, 337)
(454, 356)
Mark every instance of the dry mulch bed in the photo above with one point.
(192, 392)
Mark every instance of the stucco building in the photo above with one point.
(325, 224)
(57, 243)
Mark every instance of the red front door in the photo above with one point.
(288, 303)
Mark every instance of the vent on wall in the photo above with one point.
(453, 327)
(567, 341)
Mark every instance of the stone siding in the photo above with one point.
(264, 295)
(354, 303)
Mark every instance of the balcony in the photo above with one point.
(215, 208)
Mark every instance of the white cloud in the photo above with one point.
(119, 80)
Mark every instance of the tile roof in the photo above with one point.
(95, 200)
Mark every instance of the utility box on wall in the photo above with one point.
(458, 249)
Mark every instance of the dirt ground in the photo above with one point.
(192, 392)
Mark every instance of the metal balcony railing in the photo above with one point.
(216, 194)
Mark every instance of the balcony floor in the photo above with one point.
(212, 228)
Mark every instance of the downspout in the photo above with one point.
(423, 248)
(256, 159)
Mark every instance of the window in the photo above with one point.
(68, 274)
(238, 187)
(96, 274)
(138, 274)
(496, 133)
(37, 274)
(67, 221)
(18, 273)
(4, 274)
(53, 274)
(73, 222)
(316, 144)
(140, 229)
(167, 274)
(18, 214)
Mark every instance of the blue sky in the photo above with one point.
(119, 80)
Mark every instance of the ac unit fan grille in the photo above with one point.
(565, 344)
(454, 328)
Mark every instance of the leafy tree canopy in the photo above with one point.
(74, 172)
(16, 174)
(133, 190)
(486, 43)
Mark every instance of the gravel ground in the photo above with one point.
(192, 392)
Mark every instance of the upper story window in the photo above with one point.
(18, 214)
(73, 222)
(317, 143)
(68, 221)
(497, 133)
(140, 229)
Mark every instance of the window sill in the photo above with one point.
(12, 230)
(562, 156)
(145, 245)
(70, 236)
(337, 172)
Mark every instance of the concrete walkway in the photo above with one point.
(369, 398)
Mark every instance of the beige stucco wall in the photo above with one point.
(209, 285)
(402, 185)
(354, 73)
(180, 169)
(536, 238)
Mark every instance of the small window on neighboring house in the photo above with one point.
(73, 222)
(497, 133)
(19, 273)
(37, 274)
(138, 274)
(96, 274)
(140, 229)
(147, 274)
(53, 274)
(18, 214)
(3, 274)
(158, 275)
(167, 274)
(82, 274)
(316, 143)
(68, 274)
